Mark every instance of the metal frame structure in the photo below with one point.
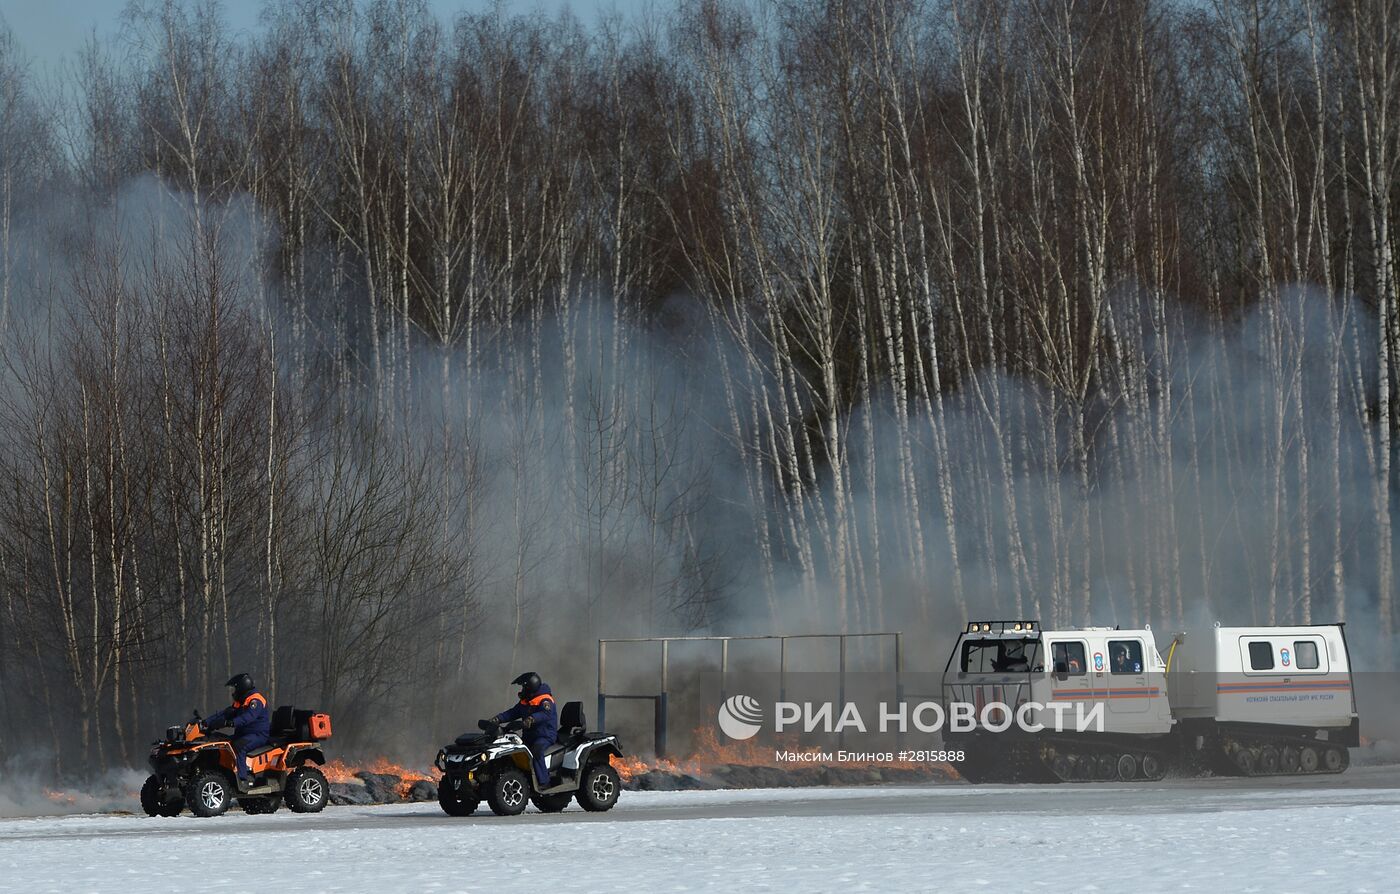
(660, 699)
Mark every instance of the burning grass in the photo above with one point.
(710, 758)
(338, 770)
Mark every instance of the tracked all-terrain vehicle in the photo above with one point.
(494, 767)
(194, 768)
(1251, 701)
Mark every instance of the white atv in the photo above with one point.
(495, 766)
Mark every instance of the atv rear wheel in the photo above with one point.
(510, 792)
(153, 804)
(258, 806)
(552, 803)
(455, 796)
(307, 790)
(600, 788)
(209, 794)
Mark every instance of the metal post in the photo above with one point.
(723, 669)
(899, 667)
(602, 685)
(663, 698)
(841, 736)
(661, 725)
(899, 680)
(782, 668)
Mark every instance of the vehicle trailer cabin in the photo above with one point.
(1260, 701)
(1227, 701)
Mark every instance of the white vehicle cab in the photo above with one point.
(1054, 679)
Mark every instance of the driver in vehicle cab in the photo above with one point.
(1122, 664)
(1064, 662)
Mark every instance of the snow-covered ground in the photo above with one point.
(949, 838)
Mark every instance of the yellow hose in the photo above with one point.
(1170, 652)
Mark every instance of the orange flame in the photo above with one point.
(709, 753)
(339, 771)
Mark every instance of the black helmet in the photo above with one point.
(242, 685)
(529, 683)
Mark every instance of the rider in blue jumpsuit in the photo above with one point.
(248, 715)
(541, 724)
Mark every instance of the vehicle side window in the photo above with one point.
(1261, 656)
(1125, 656)
(1069, 658)
(1305, 655)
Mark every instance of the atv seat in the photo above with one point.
(288, 723)
(284, 721)
(554, 756)
(262, 750)
(573, 725)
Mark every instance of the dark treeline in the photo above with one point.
(377, 353)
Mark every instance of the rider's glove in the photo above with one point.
(485, 725)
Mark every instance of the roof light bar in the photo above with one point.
(1003, 626)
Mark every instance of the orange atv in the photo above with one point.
(194, 768)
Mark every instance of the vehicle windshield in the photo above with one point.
(1000, 656)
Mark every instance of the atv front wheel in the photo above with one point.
(509, 794)
(209, 794)
(552, 803)
(455, 797)
(307, 790)
(153, 804)
(600, 788)
(258, 806)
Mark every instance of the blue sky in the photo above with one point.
(51, 30)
